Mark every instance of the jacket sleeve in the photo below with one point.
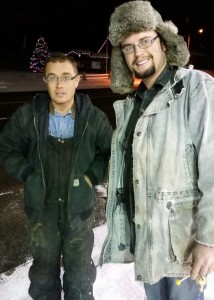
(13, 145)
(201, 126)
(98, 169)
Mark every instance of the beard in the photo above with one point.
(145, 74)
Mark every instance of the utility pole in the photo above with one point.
(188, 32)
(105, 43)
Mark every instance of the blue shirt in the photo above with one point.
(61, 126)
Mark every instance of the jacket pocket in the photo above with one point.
(182, 229)
(33, 196)
(191, 163)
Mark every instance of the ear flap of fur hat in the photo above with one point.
(121, 77)
(177, 52)
(136, 16)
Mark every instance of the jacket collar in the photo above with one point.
(41, 103)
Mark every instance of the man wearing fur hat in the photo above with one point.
(161, 182)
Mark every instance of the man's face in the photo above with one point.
(61, 91)
(147, 63)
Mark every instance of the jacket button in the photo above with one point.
(139, 277)
(137, 181)
(139, 133)
(138, 226)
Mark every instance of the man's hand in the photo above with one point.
(202, 261)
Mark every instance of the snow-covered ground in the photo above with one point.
(113, 282)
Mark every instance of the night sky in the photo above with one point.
(81, 24)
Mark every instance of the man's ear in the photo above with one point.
(44, 79)
(77, 79)
(163, 47)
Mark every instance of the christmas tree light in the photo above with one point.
(40, 53)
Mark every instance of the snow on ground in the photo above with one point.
(113, 282)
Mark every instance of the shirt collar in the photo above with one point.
(54, 112)
(160, 82)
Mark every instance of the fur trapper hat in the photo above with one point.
(135, 16)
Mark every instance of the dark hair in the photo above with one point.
(61, 57)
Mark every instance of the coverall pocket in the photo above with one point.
(84, 197)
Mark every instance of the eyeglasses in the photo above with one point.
(142, 44)
(64, 78)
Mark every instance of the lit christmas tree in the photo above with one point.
(37, 61)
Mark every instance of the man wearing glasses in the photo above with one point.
(59, 146)
(161, 179)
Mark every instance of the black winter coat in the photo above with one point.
(23, 154)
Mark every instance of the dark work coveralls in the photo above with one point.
(58, 201)
(54, 238)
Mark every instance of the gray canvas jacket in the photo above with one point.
(173, 178)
